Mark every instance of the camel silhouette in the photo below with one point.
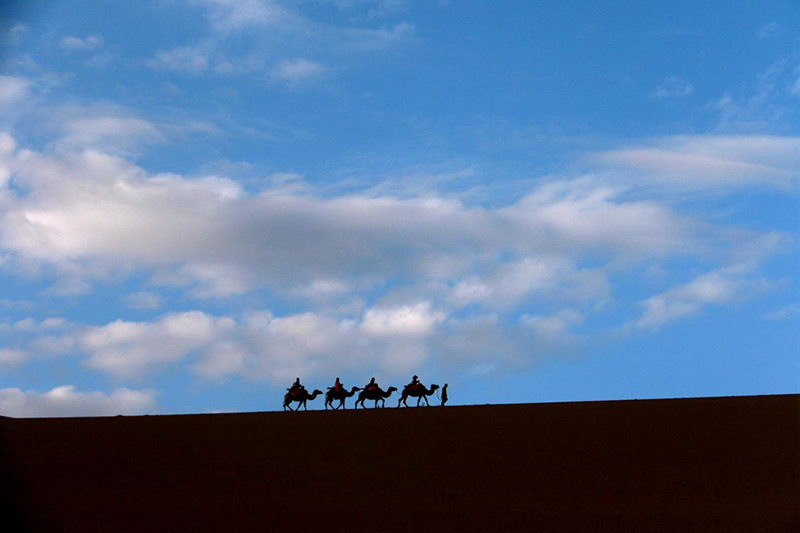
(301, 397)
(374, 394)
(420, 393)
(340, 395)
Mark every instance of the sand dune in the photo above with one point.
(716, 464)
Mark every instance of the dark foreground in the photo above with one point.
(718, 464)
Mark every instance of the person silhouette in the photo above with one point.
(371, 385)
(337, 386)
(444, 394)
(296, 387)
(414, 383)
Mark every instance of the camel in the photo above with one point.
(420, 393)
(374, 394)
(301, 397)
(341, 395)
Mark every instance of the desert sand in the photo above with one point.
(714, 464)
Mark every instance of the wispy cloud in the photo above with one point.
(784, 313)
(770, 30)
(232, 15)
(189, 59)
(711, 162)
(143, 300)
(760, 105)
(14, 34)
(12, 89)
(91, 42)
(672, 87)
(719, 287)
(297, 72)
(269, 36)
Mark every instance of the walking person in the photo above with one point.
(444, 394)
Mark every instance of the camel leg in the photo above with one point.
(425, 397)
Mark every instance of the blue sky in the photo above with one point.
(202, 199)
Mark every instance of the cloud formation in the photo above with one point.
(67, 401)
(672, 87)
(719, 287)
(256, 36)
(12, 89)
(90, 42)
(711, 162)
(90, 211)
(296, 72)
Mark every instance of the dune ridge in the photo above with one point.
(702, 464)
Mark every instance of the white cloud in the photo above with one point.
(67, 401)
(712, 162)
(719, 287)
(424, 260)
(231, 15)
(298, 71)
(7, 148)
(761, 105)
(131, 348)
(90, 212)
(117, 134)
(143, 300)
(12, 89)
(90, 42)
(250, 35)
(259, 345)
(555, 328)
(100, 60)
(11, 357)
(418, 319)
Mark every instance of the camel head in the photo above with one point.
(434, 387)
(391, 389)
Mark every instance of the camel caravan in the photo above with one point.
(298, 394)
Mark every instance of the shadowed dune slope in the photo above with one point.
(713, 464)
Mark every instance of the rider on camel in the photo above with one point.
(337, 386)
(296, 387)
(371, 385)
(414, 383)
